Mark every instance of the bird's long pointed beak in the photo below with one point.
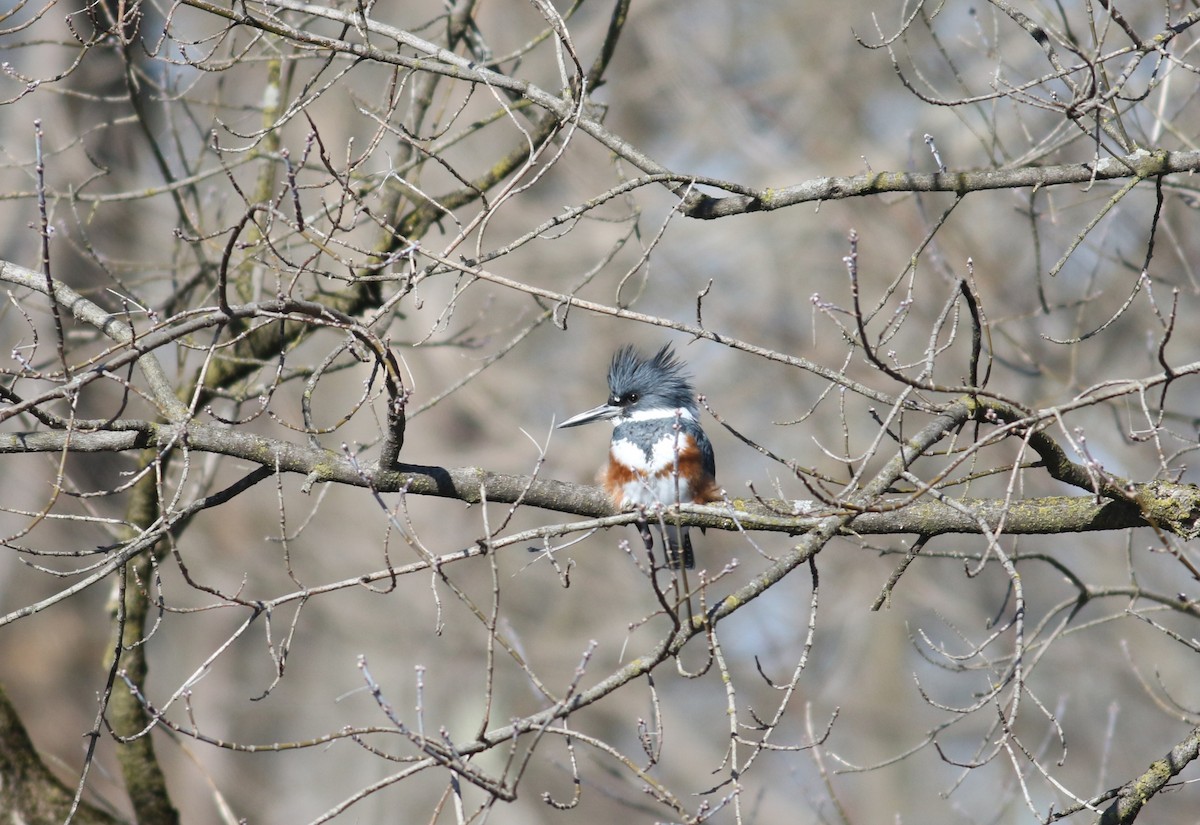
(601, 413)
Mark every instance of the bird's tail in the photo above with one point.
(679, 547)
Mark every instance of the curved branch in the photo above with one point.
(90, 313)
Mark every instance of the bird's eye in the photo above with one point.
(632, 398)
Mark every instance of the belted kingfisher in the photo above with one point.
(659, 454)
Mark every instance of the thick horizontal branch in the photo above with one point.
(1141, 164)
(925, 516)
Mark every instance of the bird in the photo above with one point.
(659, 454)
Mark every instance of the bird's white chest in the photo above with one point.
(656, 481)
